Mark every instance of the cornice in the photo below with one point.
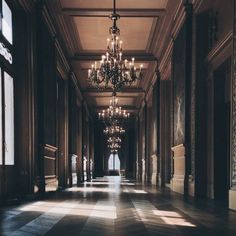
(178, 21)
(62, 64)
(27, 5)
(48, 20)
(149, 93)
(75, 81)
(220, 47)
(153, 34)
(166, 73)
(197, 5)
(165, 61)
(64, 23)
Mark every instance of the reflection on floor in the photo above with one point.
(115, 206)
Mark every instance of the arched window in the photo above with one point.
(114, 162)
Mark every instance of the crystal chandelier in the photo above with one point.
(113, 146)
(113, 113)
(113, 130)
(113, 143)
(113, 69)
(114, 140)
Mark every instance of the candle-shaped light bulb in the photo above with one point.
(121, 42)
(89, 73)
(108, 42)
(133, 60)
(120, 56)
(113, 45)
(95, 65)
(141, 67)
(126, 62)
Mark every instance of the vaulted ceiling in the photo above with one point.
(89, 23)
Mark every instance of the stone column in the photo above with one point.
(154, 170)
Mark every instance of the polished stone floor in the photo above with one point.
(115, 206)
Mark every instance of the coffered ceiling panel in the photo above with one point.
(109, 3)
(88, 26)
(104, 101)
(93, 32)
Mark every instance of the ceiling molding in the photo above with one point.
(197, 5)
(179, 19)
(95, 91)
(221, 51)
(62, 63)
(164, 34)
(105, 12)
(27, 5)
(75, 81)
(96, 56)
(165, 61)
(152, 36)
(48, 20)
(64, 25)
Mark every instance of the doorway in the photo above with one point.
(114, 164)
(221, 131)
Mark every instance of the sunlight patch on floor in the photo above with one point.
(173, 218)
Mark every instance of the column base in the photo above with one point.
(232, 199)
(177, 184)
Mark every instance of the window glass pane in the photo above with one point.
(6, 21)
(0, 117)
(114, 162)
(9, 119)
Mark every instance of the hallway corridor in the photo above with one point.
(114, 206)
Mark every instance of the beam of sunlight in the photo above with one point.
(177, 221)
(107, 183)
(80, 209)
(166, 213)
(38, 206)
(92, 189)
(140, 191)
(173, 218)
